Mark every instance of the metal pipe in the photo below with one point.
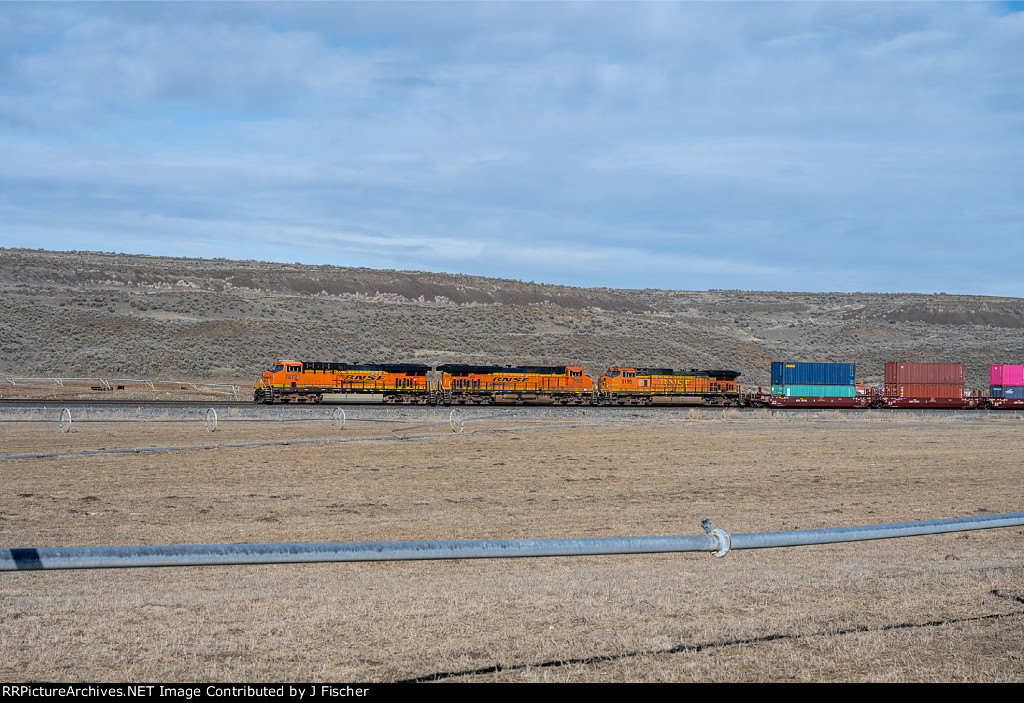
(718, 542)
(283, 442)
(452, 417)
(156, 420)
(802, 538)
(121, 380)
(229, 554)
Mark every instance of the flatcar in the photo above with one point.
(309, 381)
(622, 385)
(465, 384)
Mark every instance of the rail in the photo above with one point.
(716, 541)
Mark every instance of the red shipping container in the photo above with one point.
(1006, 375)
(906, 372)
(923, 390)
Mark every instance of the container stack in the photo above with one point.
(795, 378)
(923, 380)
(1006, 381)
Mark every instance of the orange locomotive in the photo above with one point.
(647, 386)
(465, 384)
(308, 381)
(556, 385)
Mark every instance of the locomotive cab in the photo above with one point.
(620, 378)
(283, 374)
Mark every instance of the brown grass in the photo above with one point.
(939, 608)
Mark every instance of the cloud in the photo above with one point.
(606, 144)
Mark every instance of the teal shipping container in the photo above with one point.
(802, 373)
(815, 391)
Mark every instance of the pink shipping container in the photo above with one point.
(917, 373)
(1006, 375)
(923, 390)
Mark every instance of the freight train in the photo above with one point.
(465, 384)
(794, 385)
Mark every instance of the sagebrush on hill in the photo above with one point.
(87, 313)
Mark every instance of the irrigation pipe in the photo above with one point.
(286, 442)
(718, 542)
(338, 417)
(198, 418)
(454, 419)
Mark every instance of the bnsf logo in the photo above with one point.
(510, 379)
(363, 377)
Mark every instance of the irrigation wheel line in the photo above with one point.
(456, 421)
(718, 542)
(287, 442)
(210, 419)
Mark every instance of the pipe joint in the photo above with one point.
(724, 542)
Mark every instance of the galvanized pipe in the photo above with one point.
(718, 542)
(144, 381)
(284, 442)
(224, 554)
(453, 418)
(157, 421)
(802, 538)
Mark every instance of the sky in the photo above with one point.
(799, 146)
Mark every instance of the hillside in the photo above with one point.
(88, 313)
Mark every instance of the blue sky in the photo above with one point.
(781, 146)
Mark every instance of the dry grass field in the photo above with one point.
(939, 608)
